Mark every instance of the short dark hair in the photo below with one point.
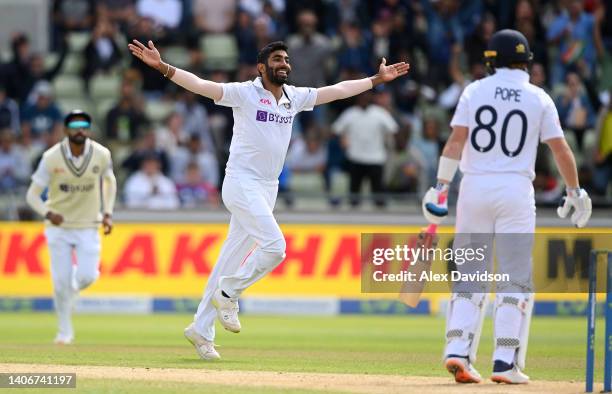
(264, 53)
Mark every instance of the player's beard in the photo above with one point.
(77, 139)
(273, 76)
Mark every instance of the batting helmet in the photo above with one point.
(507, 47)
(76, 113)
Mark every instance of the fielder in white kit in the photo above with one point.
(264, 110)
(78, 174)
(497, 126)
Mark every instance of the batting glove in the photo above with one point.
(580, 201)
(435, 208)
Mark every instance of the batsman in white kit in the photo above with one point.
(497, 126)
(81, 188)
(264, 110)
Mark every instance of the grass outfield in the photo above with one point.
(409, 345)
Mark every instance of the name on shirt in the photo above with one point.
(265, 116)
(508, 94)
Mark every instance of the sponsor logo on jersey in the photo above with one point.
(58, 170)
(264, 116)
(66, 188)
(95, 169)
(265, 101)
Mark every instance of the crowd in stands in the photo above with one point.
(170, 146)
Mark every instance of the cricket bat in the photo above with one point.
(410, 293)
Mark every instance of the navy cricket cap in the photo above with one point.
(507, 47)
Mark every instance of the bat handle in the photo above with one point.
(432, 228)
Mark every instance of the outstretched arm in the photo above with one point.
(151, 57)
(354, 87)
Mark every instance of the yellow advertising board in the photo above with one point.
(175, 259)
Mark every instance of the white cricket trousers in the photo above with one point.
(254, 245)
(68, 281)
(499, 206)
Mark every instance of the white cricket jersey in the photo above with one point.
(506, 117)
(262, 126)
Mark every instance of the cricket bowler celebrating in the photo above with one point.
(496, 128)
(264, 110)
(78, 174)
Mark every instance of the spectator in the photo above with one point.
(364, 128)
(602, 176)
(101, 53)
(153, 83)
(9, 112)
(575, 110)
(427, 150)
(574, 32)
(146, 147)
(476, 44)
(71, 15)
(537, 75)
(195, 152)
(443, 31)
(247, 45)
(121, 12)
(26, 69)
(127, 117)
(256, 8)
(310, 52)
(401, 169)
(148, 188)
(172, 134)
(195, 191)
(213, 16)
(14, 164)
(42, 117)
(195, 118)
(307, 154)
(13, 73)
(166, 14)
(355, 53)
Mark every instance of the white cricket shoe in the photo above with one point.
(511, 376)
(227, 311)
(206, 349)
(462, 370)
(61, 339)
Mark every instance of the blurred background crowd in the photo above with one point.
(170, 146)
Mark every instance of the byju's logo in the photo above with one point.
(262, 116)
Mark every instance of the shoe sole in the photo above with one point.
(459, 372)
(197, 348)
(220, 318)
(500, 379)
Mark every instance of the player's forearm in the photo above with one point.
(191, 81)
(35, 201)
(566, 163)
(344, 89)
(451, 154)
(109, 193)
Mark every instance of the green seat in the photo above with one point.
(105, 86)
(220, 51)
(68, 86)
(157, 111)
(77, 41)
(178, 56)
(73, 64)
